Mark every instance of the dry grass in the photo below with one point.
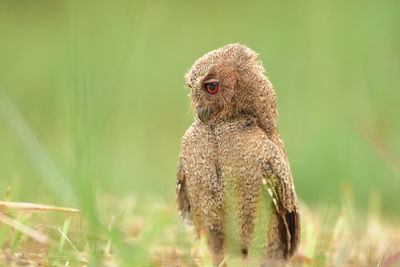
(330, 237)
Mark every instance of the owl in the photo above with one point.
(234, 142)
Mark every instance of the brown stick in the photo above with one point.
(23, 206)
(38, 236)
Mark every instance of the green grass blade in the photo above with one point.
(42, 161)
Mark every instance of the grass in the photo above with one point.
(155, 236)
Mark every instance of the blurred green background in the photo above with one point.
(100, 86)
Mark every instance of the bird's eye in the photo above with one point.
(211, 86)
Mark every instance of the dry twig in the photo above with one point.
(23, 206)
(36, 235)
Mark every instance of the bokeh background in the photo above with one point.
(92, 97)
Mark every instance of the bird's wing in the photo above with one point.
(278, 182)
(181, 194)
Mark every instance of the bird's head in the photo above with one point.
(230, 81)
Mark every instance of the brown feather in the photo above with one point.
(234, 138)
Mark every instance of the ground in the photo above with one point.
(155, 236)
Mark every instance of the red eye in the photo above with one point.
(211, 86)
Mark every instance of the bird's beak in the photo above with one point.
(204, 113)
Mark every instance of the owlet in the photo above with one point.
(233, 160)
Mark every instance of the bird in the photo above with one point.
(234, 142)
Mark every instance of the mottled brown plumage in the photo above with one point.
(234, 140)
